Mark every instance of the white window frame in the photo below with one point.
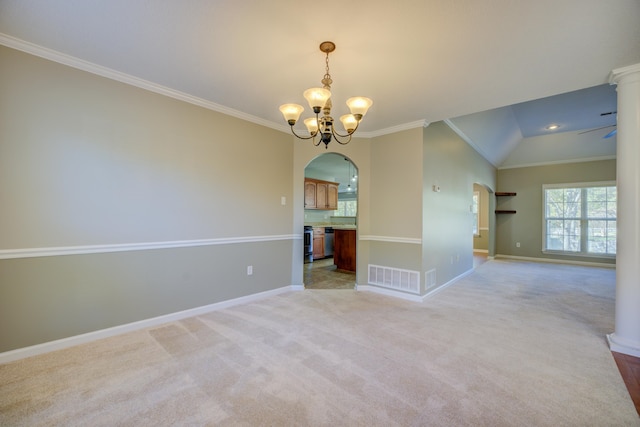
(476, 205)
(584, 231)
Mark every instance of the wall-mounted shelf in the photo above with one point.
(504, 194)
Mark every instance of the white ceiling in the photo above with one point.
(418, 60)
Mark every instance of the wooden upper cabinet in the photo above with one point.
(320, 194)
(309, 194)
(332, 196)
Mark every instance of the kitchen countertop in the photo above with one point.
(335, 226)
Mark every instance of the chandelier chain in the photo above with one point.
(326, 81)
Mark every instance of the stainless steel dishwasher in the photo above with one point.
(328, 241)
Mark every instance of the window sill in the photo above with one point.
(579, 254)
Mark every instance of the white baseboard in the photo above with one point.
(389, 292)
(21, 353)
(556, 261)
(620, 345)
(434, 291)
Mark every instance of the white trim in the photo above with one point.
(21, 353)
(559, 162)
(388, 292)
(395, 129)
(80, 64)
(618, 73)
(584, 217)
(390, 239)
(124, 247)
(468, 140)
(434, 291)
(621, 345)
(556, 261)
(109, 73)
(580, 184)
(482, 251)
(409, 297)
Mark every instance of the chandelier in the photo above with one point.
(318, 99)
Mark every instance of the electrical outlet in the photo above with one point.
(249, 270)
(517, 244)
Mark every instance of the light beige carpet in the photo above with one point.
(513, 344)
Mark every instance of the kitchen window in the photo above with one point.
(580, 219)
(347, 208)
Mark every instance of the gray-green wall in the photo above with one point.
(525, 226)
(454, 167)
(87, 162)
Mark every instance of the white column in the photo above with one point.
(626, 338)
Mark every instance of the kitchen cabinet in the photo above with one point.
(309, 194)
(318, 242)
(344, 249)
(320, 194)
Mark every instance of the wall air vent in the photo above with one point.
(394, 278)
(430, 279)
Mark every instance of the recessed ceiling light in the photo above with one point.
(552, 127)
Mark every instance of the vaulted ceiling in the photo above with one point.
(475, 64)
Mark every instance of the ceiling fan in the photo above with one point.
(610, 134)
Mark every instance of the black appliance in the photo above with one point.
(308, 243)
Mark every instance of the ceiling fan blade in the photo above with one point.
(593, 130)
(610, 134)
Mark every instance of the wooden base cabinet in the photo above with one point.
(344, 249)
(318, 242)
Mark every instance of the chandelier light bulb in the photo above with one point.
(291, 112)
(316, 97)
(359, 105)
(349, 122)
(312, 125)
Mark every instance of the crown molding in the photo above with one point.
(618, 73)
(468, 140)
(395, 129)
(558, 162)
(90, 67)
(80, 64)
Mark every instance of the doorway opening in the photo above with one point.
(481, 231)
(330, 220)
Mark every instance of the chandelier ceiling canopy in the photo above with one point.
(319, 100)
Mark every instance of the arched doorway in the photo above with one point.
(481, 224)
(328, 219)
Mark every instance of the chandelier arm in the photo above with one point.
(348, 134)
(313, 135)
(336, 136)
